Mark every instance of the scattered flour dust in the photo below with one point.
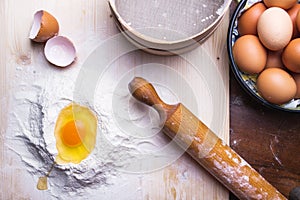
(36, 101)
(129, 143)
(40, 92)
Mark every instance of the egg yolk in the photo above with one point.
(73, 133)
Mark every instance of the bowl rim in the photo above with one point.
(175, 44)
(236, 71)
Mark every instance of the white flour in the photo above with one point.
(41, 91)
(129, 139)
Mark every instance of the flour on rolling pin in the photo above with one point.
(218, 158)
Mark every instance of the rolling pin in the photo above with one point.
(205, 147)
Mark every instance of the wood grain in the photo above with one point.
(87, 23)
(198, 184)
(267, 139)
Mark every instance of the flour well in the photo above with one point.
(129, 135)
(36, 103)
(129, 144)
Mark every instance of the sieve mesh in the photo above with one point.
(169, 20)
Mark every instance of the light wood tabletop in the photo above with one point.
(88, 23)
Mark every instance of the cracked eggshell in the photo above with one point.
(44, 26)
(60, 51)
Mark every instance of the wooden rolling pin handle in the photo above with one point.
(206, 147)
(143, 91)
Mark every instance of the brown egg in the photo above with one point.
(291, 56)
(274, 59)
(276, 86)
(298, 21)
(275, 28)
(245, 49)
(297, 80)
(293, 15)
(284, 4)
(247, 22)
(44, 26)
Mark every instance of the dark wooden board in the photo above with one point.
(269, 140)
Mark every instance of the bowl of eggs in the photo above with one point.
(264, 51)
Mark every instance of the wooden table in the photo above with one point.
(88, 23)
(269, 140)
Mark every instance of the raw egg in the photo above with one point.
(276, 86)
(284, 4)
(247, 23)
(75, 133)
(44, 26)
(245, 49)
(291, 56)
(275, 28)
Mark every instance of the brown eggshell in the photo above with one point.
(275, 28)
(247, 22)
(276, 86)
(274, 59)
(245, 49)
(293, 12)
(297, 80)
(291, 56)
(44, 26)
(284, 4)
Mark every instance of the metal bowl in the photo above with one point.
(248, 82)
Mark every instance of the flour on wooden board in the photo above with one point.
(36, 101)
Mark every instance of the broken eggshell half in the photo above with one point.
(44, 26)
(60, 51)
